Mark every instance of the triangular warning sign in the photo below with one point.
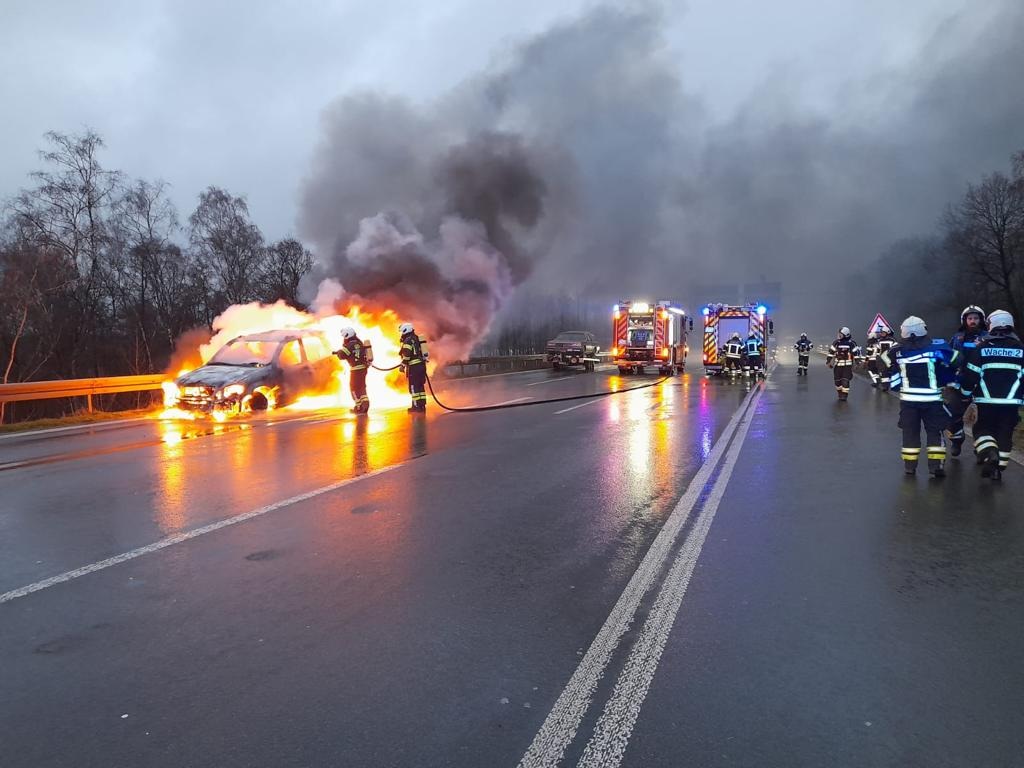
(880, 325)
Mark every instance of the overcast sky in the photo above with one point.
(232, 93)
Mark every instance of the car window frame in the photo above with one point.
(280, 350)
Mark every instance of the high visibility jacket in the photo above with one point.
(803, 346)
(413, 350)
(353, 352)
(919, 368)
(885, 344)
(994, 371)
(871, 349)
(842, 352)
(734, 348)
(754, 347)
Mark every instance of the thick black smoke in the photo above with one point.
(584, 168)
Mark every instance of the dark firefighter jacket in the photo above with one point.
(842, 352)
(354, 353)
(919, 369)
(413, 349)
(994, 371)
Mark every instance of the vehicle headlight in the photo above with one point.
(233, 390)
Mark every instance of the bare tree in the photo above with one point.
(286, 262)
(986, 232)
(222, 235)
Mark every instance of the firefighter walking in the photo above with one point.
(733, 354)
(871, 359)
(842, 354)
(885, 342)
(803, 349)
(414, 355)
(967, 337)
(993, 375)
(919, 370)
(358, 355)
(755, 356)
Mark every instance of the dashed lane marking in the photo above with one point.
(581, 405)
(178, 538)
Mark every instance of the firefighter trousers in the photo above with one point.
(843, 375)
(993, 431)
(957, 405)
(754, 364)
(417, 376)
(357, 387)
(874, 366)
(933, 417)
(801, 364)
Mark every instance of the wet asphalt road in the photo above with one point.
(433, 613)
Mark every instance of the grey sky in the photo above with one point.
(231, 93)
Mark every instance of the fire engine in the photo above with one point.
(721, 321)
(646, 335)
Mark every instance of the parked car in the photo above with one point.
(260, 371)
(573, 348)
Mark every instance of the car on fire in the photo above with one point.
(573, 348)
(260, 371)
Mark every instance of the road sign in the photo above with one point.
(880, 325)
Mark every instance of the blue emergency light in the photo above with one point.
(762, 310)
(706, 311)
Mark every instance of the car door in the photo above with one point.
(295, 371)
(321, 361)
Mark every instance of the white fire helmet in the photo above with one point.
(347, 333)
(973, 309)
(1000, 319)
(405, 328)
(872, 335)
(913, 326)
(844, 331)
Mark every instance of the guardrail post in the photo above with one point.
(88, 401)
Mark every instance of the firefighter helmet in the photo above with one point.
(803, 337)
(912, 327)
(347, 333)
(844, 332)
(1000, 320)
(872, 335)
(973, 309)
(735, 336)
(405, 328)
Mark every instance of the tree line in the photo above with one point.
(100, 277)
(974, 256)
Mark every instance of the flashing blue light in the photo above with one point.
(762, 310)
(615, 308)
(706, 311)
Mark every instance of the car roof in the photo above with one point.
(285, 334)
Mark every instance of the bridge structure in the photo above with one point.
(701, 572)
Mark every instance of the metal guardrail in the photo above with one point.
(52, 390)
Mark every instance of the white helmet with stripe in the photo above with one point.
(1000, 320)
(405, 328)
(913, 327)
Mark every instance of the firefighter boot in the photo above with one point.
(910, 467)
(935, 468)
(956, 445)
(989, 460)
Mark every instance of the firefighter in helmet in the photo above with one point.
(918, 370)
(967, 337)
(842, 354)
(885, 342)
(354, 352)
(755, 356)
(414, 364)
(871, 358)
(994, 375)
(803, 349)
(733, 354)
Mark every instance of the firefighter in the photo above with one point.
(842, 354)
(733, 354)
(886, 341)
(414, 364)
(871, 358)
(755, 356)
(971, 331)
(918, 370)
(354, 352)
(993, 375)
(803, 349)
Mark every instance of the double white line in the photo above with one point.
(608, 743)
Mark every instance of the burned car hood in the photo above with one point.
(218, 376)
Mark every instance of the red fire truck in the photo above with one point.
(646, 335)
(721, 321)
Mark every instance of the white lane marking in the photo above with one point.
(608, 744)
(94, 425)
(563, 721)
(574, 407)
(509, 402)
(178, 538)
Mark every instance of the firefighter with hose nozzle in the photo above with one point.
(414, 364)
(358, 355)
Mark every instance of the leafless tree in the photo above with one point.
(284, 265)
(222, 235)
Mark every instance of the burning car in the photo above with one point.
(259, 371)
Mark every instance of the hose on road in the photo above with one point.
(502, 406)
